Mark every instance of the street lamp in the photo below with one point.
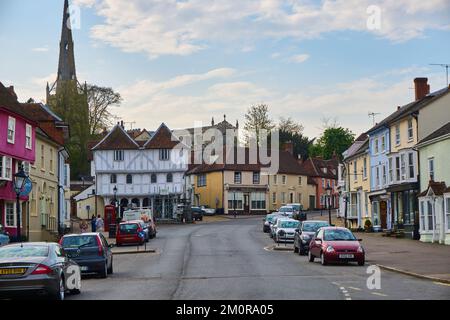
(115, 200)
(329, 190)
(20, 178)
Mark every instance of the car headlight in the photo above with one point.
(360, 249)
(330, 249)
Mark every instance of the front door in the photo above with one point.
(312, 202)
(383, 214)
(246, 203)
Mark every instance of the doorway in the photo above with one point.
(383, 214)
(312, 202)
(246, 203)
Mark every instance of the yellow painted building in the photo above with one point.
(207, 189)
(357, 169)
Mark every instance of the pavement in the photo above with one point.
(232, 260)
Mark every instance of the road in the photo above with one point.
(230, 260)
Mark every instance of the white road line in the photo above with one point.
(442, 283)
(353, 288)
(379, 294)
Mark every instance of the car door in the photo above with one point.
(106, 249)
(315, 247)
(60, 259)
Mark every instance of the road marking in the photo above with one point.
(353, 288)
(379, 294)
(442, 283)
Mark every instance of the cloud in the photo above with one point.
(299, 58)
(172, 27)
(41, 49)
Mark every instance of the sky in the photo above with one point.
(184, 62)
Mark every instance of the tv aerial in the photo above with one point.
(443, 65)
(373, 114)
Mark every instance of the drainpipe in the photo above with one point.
(58, 216)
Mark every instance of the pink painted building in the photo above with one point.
(17, 146)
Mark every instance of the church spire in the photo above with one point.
(66, 66)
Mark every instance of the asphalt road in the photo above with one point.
(231, 261)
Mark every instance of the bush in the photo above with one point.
(368, 226)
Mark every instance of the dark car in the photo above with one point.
(91, 251)
(197, 213)
(335, 244)
(304, 234)
(36, 269)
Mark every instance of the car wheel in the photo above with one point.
(323, 261)
(75, 291)
(104, 272)
(310, 256)
(110, 269)
(61, 290)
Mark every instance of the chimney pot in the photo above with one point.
(421, 88)
(12, 92)
(289, 147)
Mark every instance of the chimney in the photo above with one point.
(421, 88)
(289, 147)
(212, 121)
(121, 124)
(12, 92)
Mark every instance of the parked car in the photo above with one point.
(197, 213)
(304, 234)
(285, 230)
(130, 232)
(336, 244)
(273, 223)
(35, 268)
(4, 236)
(145, 229)
(267, 222)
(207, 211)
(286, 210)
(91, 251)
(151, 226)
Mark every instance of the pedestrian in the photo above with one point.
(93, 223)
(99, 224)
(83, 226)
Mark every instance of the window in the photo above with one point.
(355, 171)
(283, 197)
(51, 160)
(411, 165)
(42, 157)
(384, 175)
(5, 168)
(275, 179)
(274, 197)
(113, 178)
(129, 179)
(403, 167)
(430, 225)
(10, 214)
(365, 168)
(431, 168)
(447, 212)
(323, 183)
(376, 146)
(383, 143)
(397, 135)
(422, 215)
(397, 168)
(169, 177)
(410, 129)
(118, 155)
(235, 200)
(28, 137)
(258, 201)
(256, 178)
(238, 177)
(164, 154)
(283, 179)
(11, 129)
(299, 181)
(391, 168)
(201, 180)
(153, 178)
(377, 176)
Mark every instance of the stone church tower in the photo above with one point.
(68, 99)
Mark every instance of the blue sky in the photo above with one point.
(184, 61)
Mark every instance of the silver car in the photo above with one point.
(37, 269)
(285, 230)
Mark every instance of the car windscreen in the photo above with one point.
(296, 207)
(338, 235)
(26, 251)
(313, 226)
(130, 228)
(79, 241)
(286, 209)
(289, 224)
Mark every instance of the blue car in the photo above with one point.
(4, 236)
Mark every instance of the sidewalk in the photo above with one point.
(427, 260)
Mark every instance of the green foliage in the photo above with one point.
(257, 119)
(301, 143)
(334, 140)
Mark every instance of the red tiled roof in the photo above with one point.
(117, 139)
(314, 167)
(162, 139)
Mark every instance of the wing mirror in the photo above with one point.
(360, 240)
(318, 241)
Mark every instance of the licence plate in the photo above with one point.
(12, 271)
(84, 268)
(346, 256)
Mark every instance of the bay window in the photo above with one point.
(447, 213)
(411, 165)
(5, 168)
(235, 200)
(258, 200)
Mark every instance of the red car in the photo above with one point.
(334, 244)
(130, 232)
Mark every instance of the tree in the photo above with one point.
(334, 140)
(290, 126)
(300, 143)
(100, 100)
(257, 119)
